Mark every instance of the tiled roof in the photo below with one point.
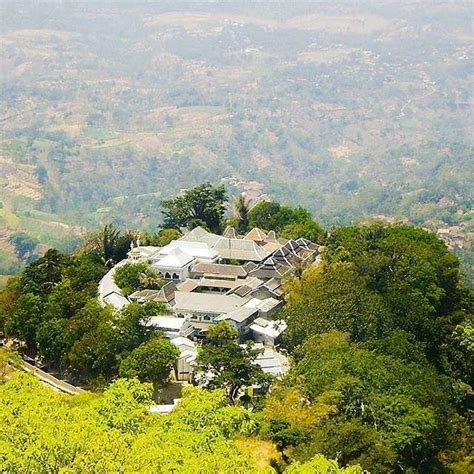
(271, 246)
(164, 295)
(217, 269)
(205, 302)
(240, 249)
(238, 315)
(256, 234)
(198, 234)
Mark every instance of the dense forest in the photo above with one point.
(349, 109)
(380, 338)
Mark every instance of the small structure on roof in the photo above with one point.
(199, 234)
(267, 332)
(230, 233)
(186, 360)
(171, 326)
(257, 235)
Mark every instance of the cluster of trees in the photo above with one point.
(52, 307)
(24, 244)
(109, 244)
(287, 222)
(205, 205)
(381, 334)
(45, 431)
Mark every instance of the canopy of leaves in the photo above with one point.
(204, 204)
(225, 364)
(152, 361)
(109, 243)
(161, 238)
(377, 400)
(334, 297)
(43, 431)
(136, 276)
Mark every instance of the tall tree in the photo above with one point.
(225, 364)
(242, 210)
(204, 203)
(150, 362)
(109, 243)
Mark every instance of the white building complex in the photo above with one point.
(212, 278)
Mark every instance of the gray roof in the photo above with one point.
(240, 249)
(235, 271)
(164, 295)
(198, 234)
(239, 315)
(256, 234)
(192, 285)
(175, 259)
(207, 303)
(229, 232)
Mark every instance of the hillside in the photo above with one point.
(349, 110)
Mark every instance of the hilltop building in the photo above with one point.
(213, 278)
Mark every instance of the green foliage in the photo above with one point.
(274, 216)
(308, 230)
(45, 273)
(242, 210)
(43, 431)
(161, 238)
(124, 405)
(136, 276)
(204, 203)
(9, 360)
(321, 465)
(53, 340)
(334, 297)
(25, 317)
(226, 364)
(287, 222)
(103, 338)
(152, 361)
(23, 243)
(389, 412)
(413, 272)
(109, 244)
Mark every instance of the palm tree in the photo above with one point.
(242, 209)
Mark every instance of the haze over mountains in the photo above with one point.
(351, 110)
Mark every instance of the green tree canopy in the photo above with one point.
(411, 269)
(161, 238)
(44, 431)
(226, 364)
(334, 297)
(150, 362)
(405, 407)
(24, 244)
(205, 203)
(136, 276)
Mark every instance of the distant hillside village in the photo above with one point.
(212, 278)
